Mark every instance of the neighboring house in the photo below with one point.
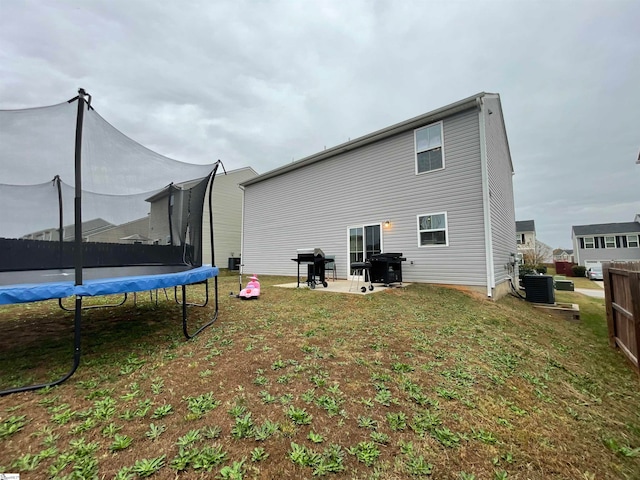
(606, 242)
(90, 227)
(154, 228)
(436, 188)
(562, 255)
(526, 238)
(227, 216)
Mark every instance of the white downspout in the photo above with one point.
(486, 206)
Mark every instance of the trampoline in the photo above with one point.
(137, 216)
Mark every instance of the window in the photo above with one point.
(588, 242)
(520, 238)
(429, 155)
(610, 242)
(632, 241)
(432, 230)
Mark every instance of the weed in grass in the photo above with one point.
(278, 364)
(299, 416)
(309, 395)
(100, 393)
(446, 437)
(261, 380)
(155, 431)
(63, 417)
(399, 367)
(466, 476)
(12, 425)
(330, 404)
(286, 398)
(424, 422)
(303, 456)
(128, 414)
(234, 471)
(84, 426)
(237, 410)
(208, 458)
(500, 475)
(367, 402)
(26, 463)
(367, 422)
(265, 430)
(205, 373)
(157, 386)
(417, 465)
(110, 430)
(283, 379)
(484, 436)
(124, 473)
(365, 452)
(212, 432)
(104, 409)
(258, 454)
(384, 397)
(243, 427)
(623, 450)
(188, 438)
(397, 421)
(200, 405)
(120, 442)
(379, 437)
(266, 397)
(143, 407)
(147, 467)
(315, 437)
(162, 411)
(330, 461)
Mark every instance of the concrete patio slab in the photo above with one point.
(344, 286)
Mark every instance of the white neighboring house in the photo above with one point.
(562, 255)
(436, 188)
(526, 238)
(606, 242)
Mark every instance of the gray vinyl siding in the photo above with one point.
(227, 216)
(500, 179)
(605, 254)
(314, 206)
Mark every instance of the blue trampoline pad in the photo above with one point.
(49, 284)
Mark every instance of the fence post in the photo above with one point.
(634, 288)
(608, 300)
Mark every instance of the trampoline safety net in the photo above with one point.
(138, 207)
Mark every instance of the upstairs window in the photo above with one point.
(432, 230)
(610, 242)
(429, 154)
(632, 241)
(588, 242)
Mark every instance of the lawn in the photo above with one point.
(422, 381)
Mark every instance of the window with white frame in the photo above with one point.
(432, 229)
(610, 242)
(429, 154)
(632, 241)
(589, 243)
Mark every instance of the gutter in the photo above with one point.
(412, 123)
(486, 205)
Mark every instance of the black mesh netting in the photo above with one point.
(138, 207)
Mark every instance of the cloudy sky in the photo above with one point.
(260, 83)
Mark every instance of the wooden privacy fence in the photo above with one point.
(622, 297)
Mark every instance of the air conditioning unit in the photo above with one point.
(539, 289)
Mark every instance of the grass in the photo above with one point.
(423, 381)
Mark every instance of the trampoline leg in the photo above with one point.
(206, 298)
(184, 309)
(77, 330)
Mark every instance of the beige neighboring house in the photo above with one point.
(227, 216)
(525, 237)
(154, 228)
(562, 255)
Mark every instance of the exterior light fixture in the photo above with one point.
(387, 224)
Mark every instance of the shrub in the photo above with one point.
(541, 269)
(526, 269)
(578, 270)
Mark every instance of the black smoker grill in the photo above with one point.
(386, 268)
(315, 261)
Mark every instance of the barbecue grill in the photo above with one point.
(315, 261)
(386, 268)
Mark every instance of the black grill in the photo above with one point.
(315, 261)
(386, 268)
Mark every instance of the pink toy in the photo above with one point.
(252, 290)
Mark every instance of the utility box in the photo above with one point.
(539, 289)
(234, 263)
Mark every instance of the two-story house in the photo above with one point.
(526, 239)
(606, 242)
(436, 188)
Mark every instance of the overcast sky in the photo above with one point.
(260, 83)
